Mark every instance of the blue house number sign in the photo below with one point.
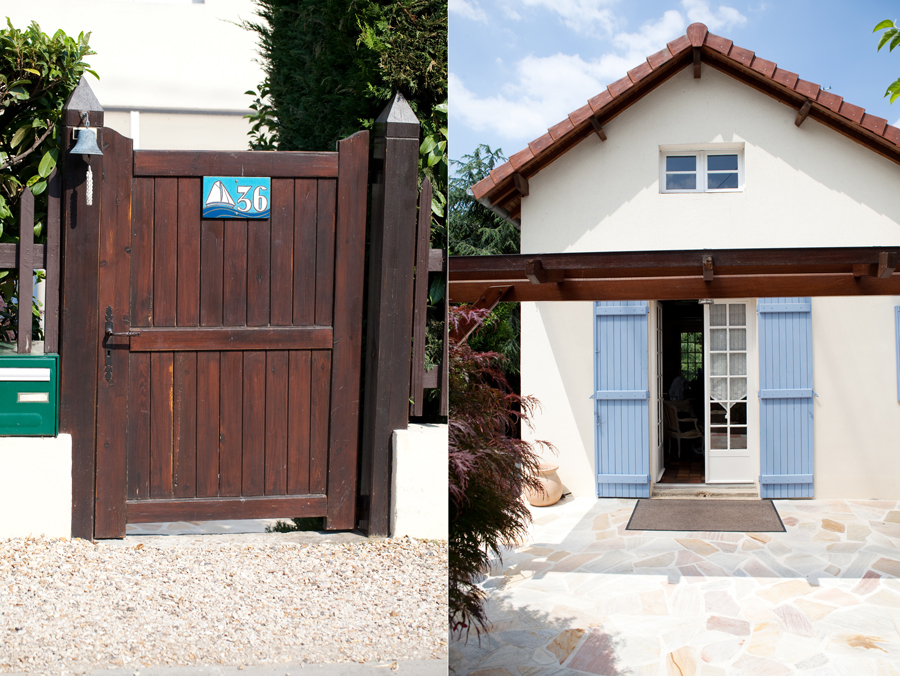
(236, 197)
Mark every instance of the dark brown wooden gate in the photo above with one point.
(237, 393)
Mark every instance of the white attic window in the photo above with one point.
(708, 169)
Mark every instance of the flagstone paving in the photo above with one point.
(585, 596)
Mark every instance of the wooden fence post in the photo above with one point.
(390, 306)
(79, 348)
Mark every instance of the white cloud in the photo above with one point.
(651, 37)
(468, 10)
(723, 18)
(586, 17)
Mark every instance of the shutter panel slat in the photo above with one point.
(622, 399)
(786, 398)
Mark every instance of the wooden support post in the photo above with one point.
(51, 284)
(390, 295)
(78, 346)
(521, 184)
(420, 301)
(696, 63)
(887, 263)
(707, 268)
(803, 113)
(598, 129)
(26, 271)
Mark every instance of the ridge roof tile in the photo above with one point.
(560, 129)
(809, 89)
(741, 55)
(598, 102)
(639, 73)
(580, 115)
(620, 86)
(540, 144)
(678, 45)
(520, 158)
(875, 124)
(763, 66)
(829, 100)
(785, 77)
(658, 59)
(501, 172)
(718, 43)
(851, 112)
(695, 34)
(892, 134)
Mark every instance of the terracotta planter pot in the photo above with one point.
(552, 487)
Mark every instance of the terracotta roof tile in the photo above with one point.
(763, 66)
(892, 134)
(521, 158)
(639, 73)
(501, 172)
(695, 33)
(658, 59)
(678, 45)
(600, 100)
(540, 144)
(852, 112)
(810, 89)
(872, 123)
(829, 100)
(741, 55)
(620, 86)
(785, 77)
(483, 186)
(560, 129)
(718, 43)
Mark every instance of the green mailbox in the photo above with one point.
(29, 395)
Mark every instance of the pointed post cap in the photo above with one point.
(696, 33)
(397, 120)
(83, 98)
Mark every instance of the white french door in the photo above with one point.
(660, 435)
(730, 365)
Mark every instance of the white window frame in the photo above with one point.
(701, 156)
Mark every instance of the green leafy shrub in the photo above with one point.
(489, 471)
(37, 74)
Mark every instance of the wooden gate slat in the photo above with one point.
(212, 265)
(276, 422)
(282, 271)
(211, 509)
(305, 252)
(325, 252)
(51, 299)
(185, 421)
(235, 303)
(115, 293)
(138, 460)
(350, 243)
(207, 424)
(320, 386)
(161, 425)
(299, 416)
(142, 253)
(254, 432)
(165, 251)
(231, 382)
(188, 311)
(258, 263)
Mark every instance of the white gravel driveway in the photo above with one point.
(73, 606)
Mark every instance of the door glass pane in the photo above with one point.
(719, 388)
(738, 339)
(718, 437)
(717, 414)
(719, 181)
(737, 414)
(738, 437)
(718, 364)
(717, 340)
(738, 364)
(717, 315)
(738, 389)
(681, 181)
(737, 314)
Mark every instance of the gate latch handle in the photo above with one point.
(109, 325)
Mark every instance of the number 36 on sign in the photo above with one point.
(235, 197)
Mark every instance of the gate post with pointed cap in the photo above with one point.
(390, 306)
(79, 339)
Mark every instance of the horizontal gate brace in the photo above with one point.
(623, 478)
(785, 478)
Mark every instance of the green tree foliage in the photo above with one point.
(891, 35)
(37, 74)
(489, 471)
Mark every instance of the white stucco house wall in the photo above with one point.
(797, 396)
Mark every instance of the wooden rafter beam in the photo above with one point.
(487, 300)
(887, 263)
(597, 128)
(707, 268)
(803, 113)
(536, 274)
(696, 63)
(521, 184)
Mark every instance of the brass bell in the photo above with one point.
(87, 139)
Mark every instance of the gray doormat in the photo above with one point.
(738, 516)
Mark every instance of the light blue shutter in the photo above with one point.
(785, 397)
(621, 399)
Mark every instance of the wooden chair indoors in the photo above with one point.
(674, 424)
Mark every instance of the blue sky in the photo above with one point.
(519, 66)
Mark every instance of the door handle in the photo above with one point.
(109, 325)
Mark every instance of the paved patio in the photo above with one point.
(585, 596)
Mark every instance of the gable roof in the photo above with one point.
(503, 189)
